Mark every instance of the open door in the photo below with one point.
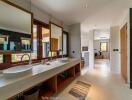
(123, 45)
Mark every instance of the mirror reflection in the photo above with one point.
(15, 28)
(65, 44)
(45, 42)
(1, 59)
(56, 40)
(14, 41)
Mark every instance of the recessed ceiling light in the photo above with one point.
(85, 6)
(103, 37)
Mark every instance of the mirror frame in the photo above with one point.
(18, 7)
(50, 34)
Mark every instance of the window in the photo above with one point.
(1, 59)
(103, 46)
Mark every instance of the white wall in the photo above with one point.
(114, 44)
(84, 39)
(91, 49)
(106, 54)
(87, 39)
(125, 19)
(75, 40)
(38, 13)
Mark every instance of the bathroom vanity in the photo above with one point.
(49, 75)
(38, 41)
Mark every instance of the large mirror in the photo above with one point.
(15, 28)
(56, 40)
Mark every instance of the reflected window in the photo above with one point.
(18, 57)
(34, 41)
(52, 54)
(3, 42)
(56, 39)
(45, 42)
(13, 41)
(26, 44)
(65, 45)
(103, 46)
(1, 59)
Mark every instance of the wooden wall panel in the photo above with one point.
(130, 48)
(123, 45)
(54, 44)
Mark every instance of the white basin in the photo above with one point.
(64, 60)
(59, 61)
(17, 71)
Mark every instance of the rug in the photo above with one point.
(80, 90)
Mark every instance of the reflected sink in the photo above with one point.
(17, 71)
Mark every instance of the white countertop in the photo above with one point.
(39, 73)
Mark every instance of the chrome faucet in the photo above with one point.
(29, 55)
(62, 56)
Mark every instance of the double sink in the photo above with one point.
(27, 69)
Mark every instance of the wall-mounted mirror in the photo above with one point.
(56, 39)
(15, 28)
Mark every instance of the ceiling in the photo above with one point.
(91, 13)
(101, 34)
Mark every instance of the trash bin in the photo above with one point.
(32, 94)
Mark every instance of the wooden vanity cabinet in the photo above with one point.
(77, 70)
(57, 83)
(65, 78)
(48, 88)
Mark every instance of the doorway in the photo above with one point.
(102, 44)
(102, 50)
(123, 45)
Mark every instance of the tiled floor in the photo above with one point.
(105, 85)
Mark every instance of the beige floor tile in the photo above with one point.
(105, 85)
